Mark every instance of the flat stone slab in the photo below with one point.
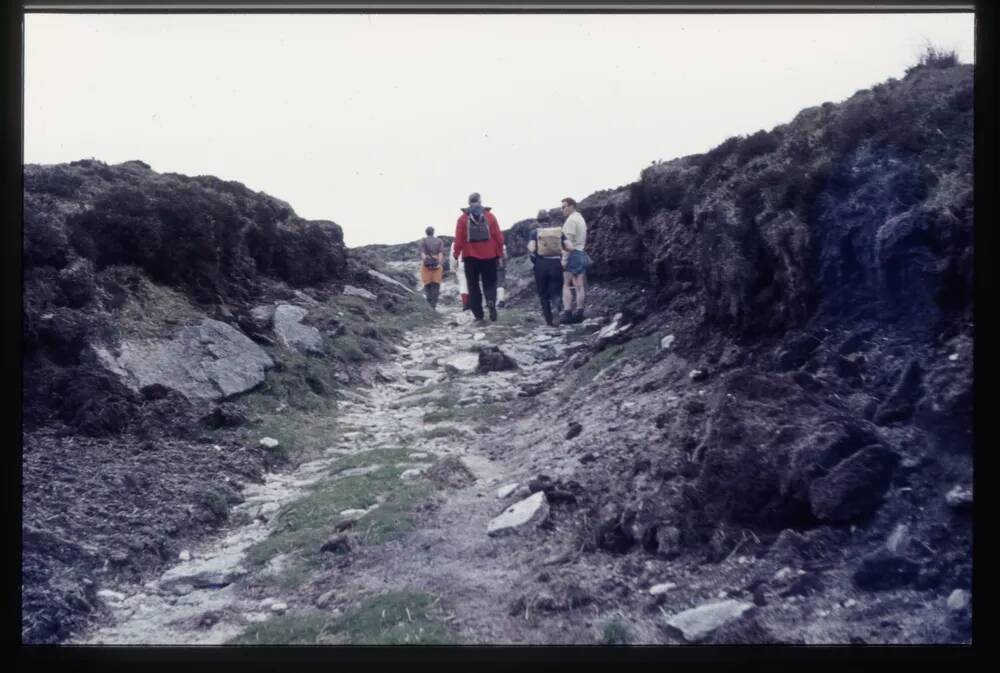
(462, 363)
(387, 279)
(210, 361)
(699, 623)
(352, 291)
(505, 491)
(531, 511)
(292, 333)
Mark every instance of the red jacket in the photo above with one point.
(478, 249)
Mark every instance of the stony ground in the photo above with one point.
(383, 538)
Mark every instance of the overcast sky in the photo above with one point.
(385, 123)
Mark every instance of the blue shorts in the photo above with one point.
(577, 262)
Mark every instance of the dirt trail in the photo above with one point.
(203, 600)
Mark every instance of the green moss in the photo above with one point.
(615, 633)
(396, 618)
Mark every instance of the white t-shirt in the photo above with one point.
(575, 230)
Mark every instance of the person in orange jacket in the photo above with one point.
(479, 242)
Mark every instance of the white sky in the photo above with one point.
(385, 123)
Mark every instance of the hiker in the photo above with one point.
(479, 242)
(546, 244)
(574, 261)
(501, 278)
(431, 265)
(463, 286)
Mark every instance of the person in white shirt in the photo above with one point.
(575, 262)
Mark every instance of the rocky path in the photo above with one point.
(433, 398)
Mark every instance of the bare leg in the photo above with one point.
(580, 292)
(567, 291)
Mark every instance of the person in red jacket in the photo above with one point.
(479, 242)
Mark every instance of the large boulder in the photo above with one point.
(210, 361)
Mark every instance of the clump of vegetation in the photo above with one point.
(934, 57)
(467, 413)
(615, 633)
(757, 144)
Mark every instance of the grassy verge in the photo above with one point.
(304, 525)
(608, 360)
(445, 431)
(397, 618)
(469, 413)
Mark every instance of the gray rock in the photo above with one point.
(505, 491)
(210, 361)
(461, 363)
(325, 599)
(959, 497)
(269, 443)
(207, 578)
(386, 279)
(897, 539)
(494, 360)
(699, 623)
(292, 333)
(959, 600)
(110, 595)
(180, 589)
(352, 291)
(663, 588)
(528, 512)
(666, 342)
(261, 316)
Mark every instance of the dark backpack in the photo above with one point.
(478, 228)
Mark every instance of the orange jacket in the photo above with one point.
(489, 249)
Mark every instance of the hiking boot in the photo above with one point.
(479, 321)
(500, 304)
(566, 318)
(578, 316)
(493, 313)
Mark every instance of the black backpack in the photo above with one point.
(478, 228)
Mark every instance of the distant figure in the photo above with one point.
(545, 246)
(463, 285)
(575, 262)
(479, 242)
(431, 265)
(502, 278)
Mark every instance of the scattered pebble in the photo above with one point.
(279, 608)
(663, 588)
(959, 497)
(269, 443)
(958, 600)
(109, 595)
(185, 555)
